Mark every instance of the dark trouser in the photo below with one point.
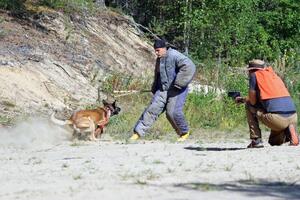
(276, 122)
(172, 102)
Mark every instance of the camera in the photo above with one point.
(233, 94)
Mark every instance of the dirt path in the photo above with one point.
(47, 166)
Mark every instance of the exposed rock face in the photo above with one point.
(53, 61)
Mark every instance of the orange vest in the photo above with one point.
(270, 85)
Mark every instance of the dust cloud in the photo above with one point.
(33, 133)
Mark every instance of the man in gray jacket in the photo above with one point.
(173, 72)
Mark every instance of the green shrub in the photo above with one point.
(69, 6)
(13, 5)
(208, 111)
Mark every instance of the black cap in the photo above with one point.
(159, 44)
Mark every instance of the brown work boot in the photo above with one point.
(292, 135)
(256, 143)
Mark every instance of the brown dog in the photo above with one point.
(91, 121)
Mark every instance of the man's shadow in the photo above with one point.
(213, 149)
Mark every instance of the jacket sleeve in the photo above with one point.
(186, 71)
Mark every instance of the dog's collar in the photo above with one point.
(107, 114)
(108, 111)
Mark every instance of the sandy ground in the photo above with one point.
(37, 161)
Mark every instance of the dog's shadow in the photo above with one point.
(213, 148)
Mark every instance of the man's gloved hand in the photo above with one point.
(153, 89)
(240, 100)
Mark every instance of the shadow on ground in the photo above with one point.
(257, 188)
(212, 149)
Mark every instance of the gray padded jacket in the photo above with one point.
(173, 70)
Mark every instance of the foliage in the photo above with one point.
(227, 31)
(5, 119)
(13, 5)
(117, 81)
(218, 112)
(69, 6)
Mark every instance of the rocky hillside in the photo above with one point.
(54, 61)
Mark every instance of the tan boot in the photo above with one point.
(183, 137)
(134, 137)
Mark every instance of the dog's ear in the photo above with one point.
(114, 104)
(104, 102)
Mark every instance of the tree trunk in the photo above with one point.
(100, 3)
(187, 25)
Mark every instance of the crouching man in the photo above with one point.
(269, 102)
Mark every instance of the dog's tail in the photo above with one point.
(59, 122)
